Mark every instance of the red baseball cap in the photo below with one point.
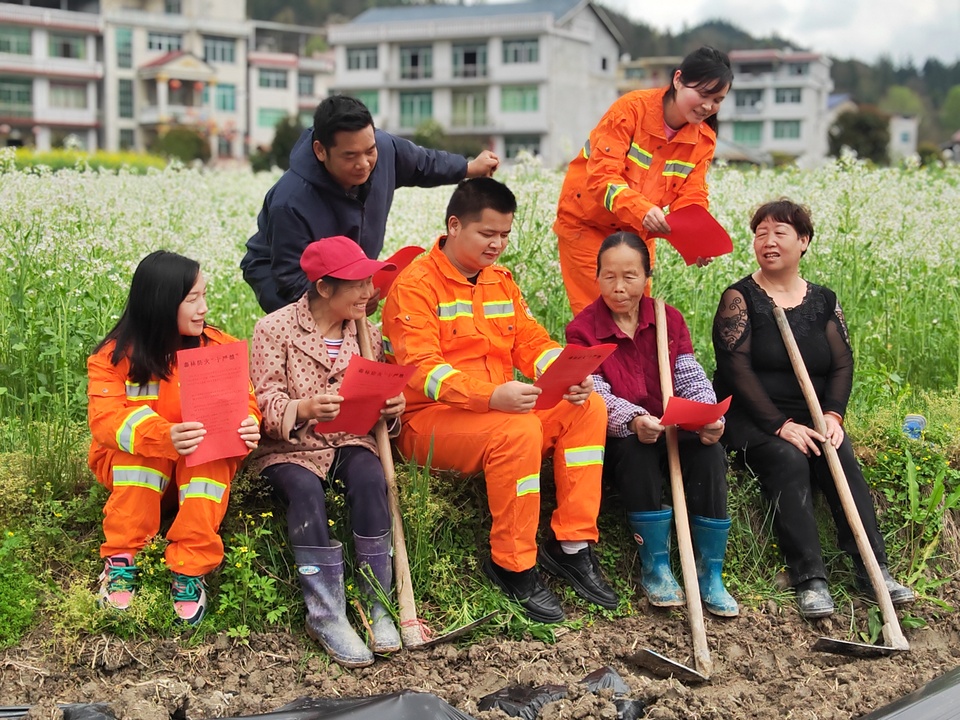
(338, 257)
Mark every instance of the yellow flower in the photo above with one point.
(267, 514)
(242, 548)
(239, 564)
(330, 523)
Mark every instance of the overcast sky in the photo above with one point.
(861, 29)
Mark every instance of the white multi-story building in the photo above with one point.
(50, 76)
(779, 104)
(533, 75)
(117, 73)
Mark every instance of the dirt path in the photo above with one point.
(764, 668)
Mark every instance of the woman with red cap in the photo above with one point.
(299, 356)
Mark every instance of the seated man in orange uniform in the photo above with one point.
(463, 323)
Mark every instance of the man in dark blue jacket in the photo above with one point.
(341, 181)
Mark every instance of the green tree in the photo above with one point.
(866, 131)
(182, 142)
(287, 133)
(901, 100)
(430, 134)
(950, 112)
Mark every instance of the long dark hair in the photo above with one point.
(706, 69)
(147, 330)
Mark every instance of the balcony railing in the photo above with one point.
(17, 110)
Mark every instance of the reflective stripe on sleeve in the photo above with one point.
(528, 485)
(203, 488)
(612, 192)
(639, 156)
(677, 168)
(435, 378)
(545, 359)
(126, 434)
(585, 455)
(146, 391)
(387, 346)
(455, 309)
(139, 476)
(498, 309)
(586, 150)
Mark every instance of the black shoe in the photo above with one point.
(813, 598)
(581, 570)
(899, 594)
(527, 588)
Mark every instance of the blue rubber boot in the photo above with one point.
(710, 541)
(651, 530)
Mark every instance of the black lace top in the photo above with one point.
(752, 361)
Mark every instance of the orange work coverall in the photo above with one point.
(626, 167)
(132, 455)
(464, 341)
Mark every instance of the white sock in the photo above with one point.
(572, 547)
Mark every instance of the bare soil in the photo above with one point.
(764, 667)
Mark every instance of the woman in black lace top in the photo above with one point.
(769, 425)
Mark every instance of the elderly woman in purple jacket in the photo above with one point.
(635, 463)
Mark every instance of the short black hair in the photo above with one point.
(631, 240)
(786, 211)
(339, 113)
(474, 196)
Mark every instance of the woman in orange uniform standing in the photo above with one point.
(651, 150)
(140, 443)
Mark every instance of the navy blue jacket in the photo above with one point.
(307, 204)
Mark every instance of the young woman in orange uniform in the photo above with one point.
(651, 150)
(140, 442)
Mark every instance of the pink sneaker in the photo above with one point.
(189, 598)
(117, 582)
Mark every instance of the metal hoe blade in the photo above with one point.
(664, 667)
(852, 649)
(454, 634)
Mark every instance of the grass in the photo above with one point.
(70, 241)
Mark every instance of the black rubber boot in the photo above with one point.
(813, 598)
(320, 570)
(376, 553)
(899, 594)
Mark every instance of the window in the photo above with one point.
(415, 107)
(71, 96)
(370, 98)
(223, 146)
(16, 97)
(270, 78)
(788, 95)
(73, 47)
(603, 63)
(748, 98)
(798, 69)
(269, 117)
(125, 99)
(124, 41)
(15, 40)
(225, 97)
(364, 58)
(515, 144)
(305, 85)
(128, 139)
(416, 63)
(786, 129)
(905, 137)
(748, 133)
(469, 61)
(521, 51)
(172, 7)
(219, 49)
(469, 109)
(167, 42)
(635, 73)
(519, 98)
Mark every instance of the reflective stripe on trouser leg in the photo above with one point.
(578, 434)
(507, 449)
(195, 546)
(131, 515)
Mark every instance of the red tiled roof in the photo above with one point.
(164, 59)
